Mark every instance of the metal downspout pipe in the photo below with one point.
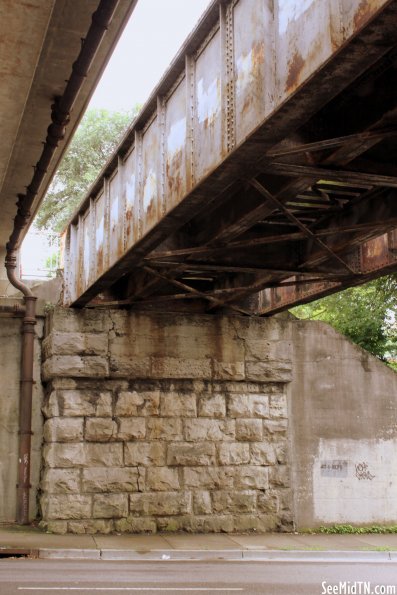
(60, 111)
(26, 391)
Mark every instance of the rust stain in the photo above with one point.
(151, 213)
(310, 63)
(257, 62)
(100, 259)
(375, 253)
(295, 67)
(258, 56)
(365, 10)
(175, 180)
(393, 239)
(129, 224)
(210, 109)
(335, 35)
(276, 295)
(209, 121)
(79, 279)
(286, 293)
(120, 246)
(29, 5)
(376, 247)
(335, 44)
(249, 100)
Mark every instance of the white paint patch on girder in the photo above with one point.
(130, 189)
(355, 481)
(245, 75)
(291, 10)
(99, 234)
(208, 101)
(150, 189)
(114, 212)
(86, 257)
(176, 138)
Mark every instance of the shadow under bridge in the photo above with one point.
(259, 175)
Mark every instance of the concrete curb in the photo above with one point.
(324, 555)
(70, 554)
(214, 555)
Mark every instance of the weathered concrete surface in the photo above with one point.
(10, 353)
(216, 424)
(343, 431)
(165, 423)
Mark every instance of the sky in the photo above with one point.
(152, 37)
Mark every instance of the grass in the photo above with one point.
(378, 548)
(350, 529)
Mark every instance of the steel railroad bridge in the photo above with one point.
(260, 174)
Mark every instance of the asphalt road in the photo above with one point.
(27, 577)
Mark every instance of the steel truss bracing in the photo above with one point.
(250, 181)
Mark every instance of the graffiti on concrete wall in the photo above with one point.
(338, 468)
(362, 472)
(355, 481)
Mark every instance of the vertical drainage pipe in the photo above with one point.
(60, 118)
(26, 392)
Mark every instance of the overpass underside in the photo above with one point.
(261, 172)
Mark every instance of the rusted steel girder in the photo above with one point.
(376, 257)
(226, 101)
(250, 170)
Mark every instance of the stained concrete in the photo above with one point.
(343, 404)
(10, 354)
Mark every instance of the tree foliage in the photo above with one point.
(366, 314)
(96, 138)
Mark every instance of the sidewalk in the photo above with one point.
(16, 540)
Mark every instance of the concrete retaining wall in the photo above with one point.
(343, 431)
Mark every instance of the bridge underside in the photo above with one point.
(307, 207)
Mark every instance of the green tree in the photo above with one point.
(96, 138)
(366, 314)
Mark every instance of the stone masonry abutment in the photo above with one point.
(165, 422)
